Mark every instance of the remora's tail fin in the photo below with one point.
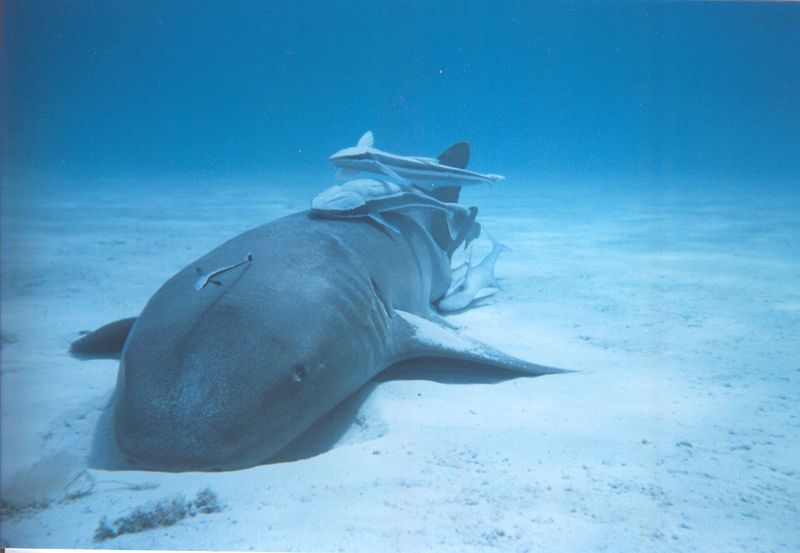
(104, 343)
(418, 337)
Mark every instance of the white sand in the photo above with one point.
(678, 433)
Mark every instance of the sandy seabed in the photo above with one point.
(680, 430)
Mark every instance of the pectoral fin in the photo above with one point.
(104, 343)
(418, 337)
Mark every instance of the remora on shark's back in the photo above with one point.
(225, 377)
(372, 197)
(448, 170)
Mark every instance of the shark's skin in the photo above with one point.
(225, 377)
(424, 172)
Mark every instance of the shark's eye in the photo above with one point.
(461, 288)
(298, 373)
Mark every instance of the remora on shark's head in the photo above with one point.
(448, 170)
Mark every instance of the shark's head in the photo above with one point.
(225, 377)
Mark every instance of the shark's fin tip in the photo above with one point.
(419, 337)
(456, 155)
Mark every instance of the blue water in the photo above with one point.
(151, 89)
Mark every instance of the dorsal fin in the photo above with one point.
(367, 140)
(456, 155)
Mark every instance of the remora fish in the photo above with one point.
(227, 378)
(203, 279)
(477, 278)
(372, 197)
(448, 170)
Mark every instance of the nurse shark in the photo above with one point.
(224, 377)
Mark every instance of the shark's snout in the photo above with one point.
(207, 379)
(173, 431)
(193, 412)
